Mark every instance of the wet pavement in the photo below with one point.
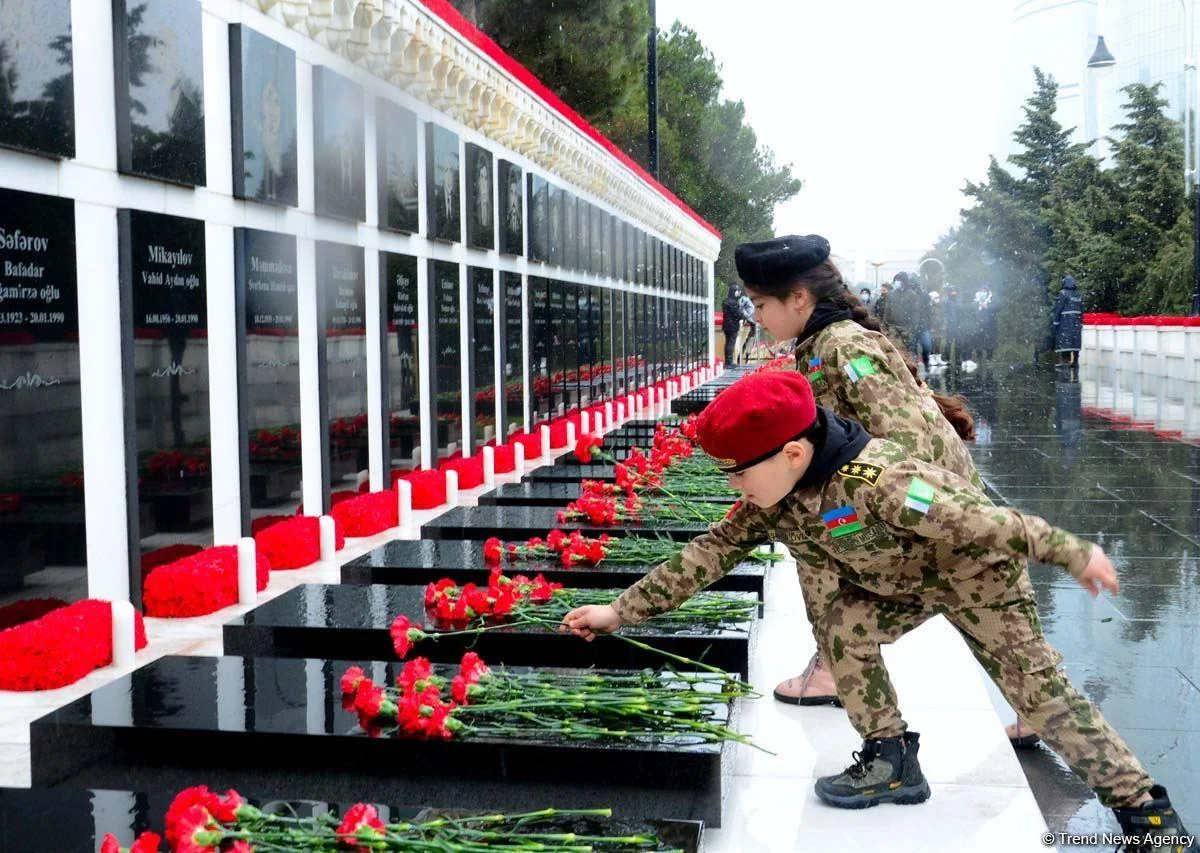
(1134, 490)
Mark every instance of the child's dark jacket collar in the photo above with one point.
(836, 441)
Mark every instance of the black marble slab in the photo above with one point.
(275, 726)
(556, 495)
(83, 817)
(461, 560)
(568, 469)
(518, 523)
(37, 112)
(339, 621)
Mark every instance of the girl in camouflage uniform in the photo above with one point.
(797, 292)
(907, 540)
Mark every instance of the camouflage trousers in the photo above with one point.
(1006, 638)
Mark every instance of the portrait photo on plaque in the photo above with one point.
(539, 218)
(554, 211)
(443, 220)
(37, 96)
(339, 151)
(263, 74)
(512, 209)
(481, 215)
(159, 68)
(445, 374)
(570, 230)
(397, 168)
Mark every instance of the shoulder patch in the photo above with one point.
(859, 367)
(864, 471)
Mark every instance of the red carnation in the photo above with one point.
(148, 842)
(110, 845)
(197, 832)
(404, 635)
(351, 678)
(239, 846)
(556, 539)
(472, 667)
(368, 700)
(416, 670)
(493, 550)
(361, 823)
(585, 445)
(224, 809)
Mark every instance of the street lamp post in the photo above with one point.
(1103, 58)
(877, 265)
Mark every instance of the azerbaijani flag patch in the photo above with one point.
(920, 496)
(841, 521)
(814, 369)
(859, 367)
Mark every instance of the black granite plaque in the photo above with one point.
(41, 468)
(518, 523)
(619, 335)
(630, 254)
(585, 237)
(512, 355)
(160, 89)
(539, 219)
(341, 296)
(569, 334)
(443, 219)
(83, 817)
(511, 208)
(344, 621)
(598, 220)
(165, 354)
(461, 560)
(619, 265)
(482, 290)
(37, 97)
(555, 349)
(570, 231)
(602, 361)
(653, 262)
(339, 148)
(554, 211)
(276, 727)
(481, 214)
(402, 360)
(268, 372)
(541, 348)
(263, 90)
(445, 380)
(607, 248)
(397, 167)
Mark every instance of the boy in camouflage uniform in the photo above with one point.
(909, 540)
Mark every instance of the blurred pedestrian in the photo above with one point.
(731, 320)
(1067, 325)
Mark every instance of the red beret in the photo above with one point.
(755, 417)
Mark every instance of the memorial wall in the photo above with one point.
(249, 261)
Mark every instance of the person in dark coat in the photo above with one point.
(731, 320)
(1067, 326)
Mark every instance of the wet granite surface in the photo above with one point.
(1137, 495)
(83, 817)
(555, 494)
(518, 523)
(337, 620)
(276, 726)
(461, 560)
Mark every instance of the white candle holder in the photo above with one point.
(451, 488)
(404, 505)
(519, 459)
(489, 466)
(247, 551)
(328, 539)
(124, 637)
(545, 432)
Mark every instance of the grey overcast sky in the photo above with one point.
(883, 108)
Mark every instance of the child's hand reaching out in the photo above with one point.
(1097, 574)
(586, 621)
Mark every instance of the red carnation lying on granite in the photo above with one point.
(366, 515)
(197, 585)
(294, 542)
(61, 647)
(585, 446)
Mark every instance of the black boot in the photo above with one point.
(886, 771)
(1157, 824)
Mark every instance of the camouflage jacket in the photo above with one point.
(892, 524)
(861, 375)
